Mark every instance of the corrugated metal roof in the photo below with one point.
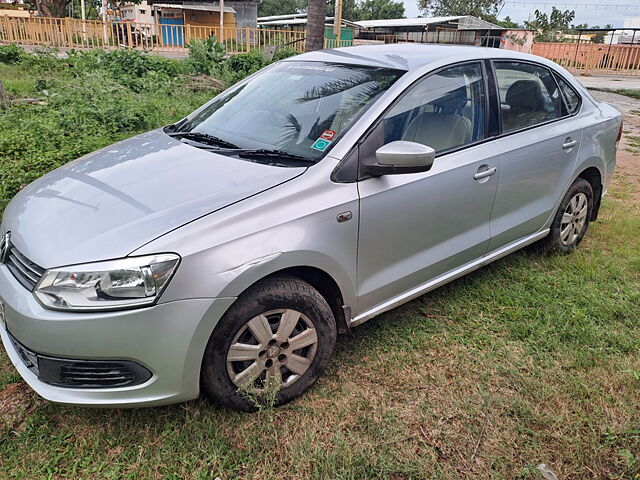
(405, 22)
(212, 7)
(465, 22)
(301, 21)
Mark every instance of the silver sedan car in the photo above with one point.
(225, 252)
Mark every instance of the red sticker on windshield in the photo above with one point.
(328, 135)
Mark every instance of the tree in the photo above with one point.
(548, 26)
(314, 31)
(599, 36)
(49, 8)
(380, 9)
(349, 9)
(486, 9)
(506, 23)
(267, 8)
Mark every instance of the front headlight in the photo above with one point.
(129, 282)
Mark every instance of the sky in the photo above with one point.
(591, 12)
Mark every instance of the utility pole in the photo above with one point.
(83, 14)
(337, 22)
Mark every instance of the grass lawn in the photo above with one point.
(533, 359)
(630, 93)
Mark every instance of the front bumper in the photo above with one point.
(168, 339)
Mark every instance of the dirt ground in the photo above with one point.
(628, 158)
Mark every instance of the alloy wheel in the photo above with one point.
(276, 346)
(574, 219)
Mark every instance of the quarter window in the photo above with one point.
(570, 95)
(528, 95)
(446, 110)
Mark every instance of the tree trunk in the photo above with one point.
(315, 26)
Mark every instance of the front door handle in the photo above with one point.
(569, 144)
(485, 173)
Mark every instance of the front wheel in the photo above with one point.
(270, 347)
(572, 218)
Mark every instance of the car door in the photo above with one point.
(538, 150)
(415, 227)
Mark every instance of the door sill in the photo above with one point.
(446, 278)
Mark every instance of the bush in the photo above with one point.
(246, 63)
(282, 53)
(206, 56)
(11, 53)
(130, 68)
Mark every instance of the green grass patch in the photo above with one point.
(630, 93)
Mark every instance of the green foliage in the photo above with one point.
(630, 93)
(283, 53)
(380, 9)
(548, 26)
(350, 9)
(205, 56)
(245, 64)
(129, 68)
(486, 9)
(11, 53)
(267, 8)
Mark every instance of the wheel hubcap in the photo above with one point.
(277, 346)
(574, 219)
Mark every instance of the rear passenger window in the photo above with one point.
(445, 110)
(528, 95)
(571, 97)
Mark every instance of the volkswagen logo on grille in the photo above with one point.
(4, 247)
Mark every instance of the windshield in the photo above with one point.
(293, 108)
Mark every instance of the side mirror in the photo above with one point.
(401, 157)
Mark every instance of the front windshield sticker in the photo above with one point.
(328, 135)
(321, 145)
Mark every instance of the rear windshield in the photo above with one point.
(300, 108)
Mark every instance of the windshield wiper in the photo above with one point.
(204, 138)
(261, 152)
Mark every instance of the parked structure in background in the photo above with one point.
(298, 22)
(141, 14)
(628, 35)
(461, 30)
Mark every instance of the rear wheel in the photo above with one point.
(270, 347)
(572, 218)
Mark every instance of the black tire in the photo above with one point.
(554, 242)
(269, 295)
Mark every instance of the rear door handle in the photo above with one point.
(569, 144)
(485, 173)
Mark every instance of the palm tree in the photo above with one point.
(315, 26)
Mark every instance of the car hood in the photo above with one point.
(109, 203)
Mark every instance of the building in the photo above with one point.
(298, 22)
(183, 20)
(465, 30)
(236, 13)
(629, 34)
(140, 13)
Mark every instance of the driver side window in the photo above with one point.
(446, 110)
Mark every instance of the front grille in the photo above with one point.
(71, 373)
(99, 374)
(25, 271)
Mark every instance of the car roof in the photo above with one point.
(409, 56)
